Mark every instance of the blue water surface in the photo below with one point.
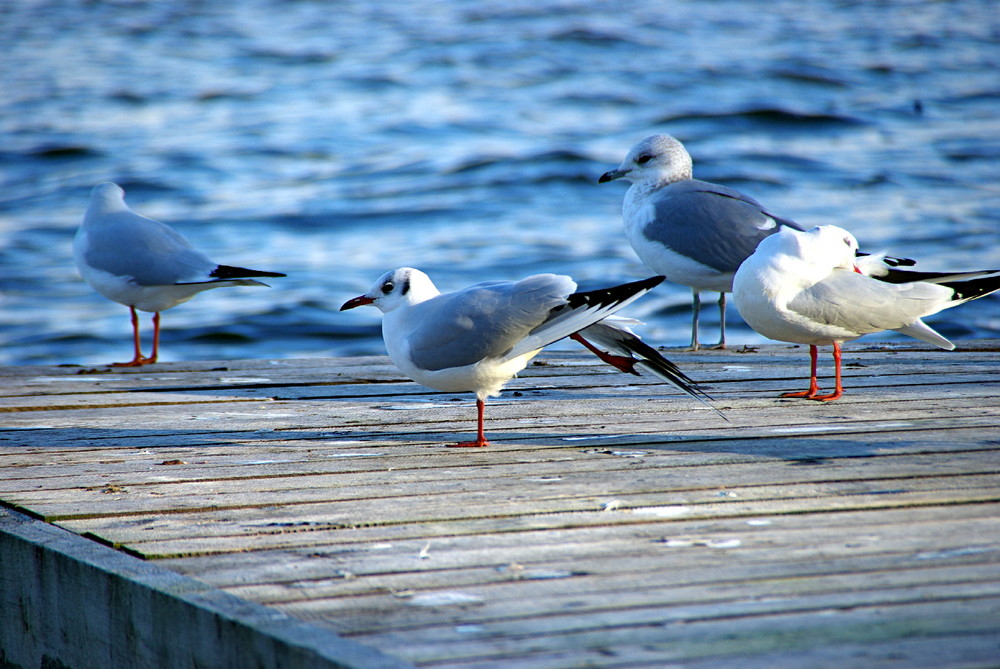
(336, 140)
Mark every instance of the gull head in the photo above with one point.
(394, 289)
(824, 246)
(107, 197)
(659, 159)
(834, 244)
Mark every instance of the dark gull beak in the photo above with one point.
(358, 301)
(612, 175)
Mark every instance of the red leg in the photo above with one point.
(617, 361)
(480, 437)
(839, 390)
(813, 383)
(137, 359)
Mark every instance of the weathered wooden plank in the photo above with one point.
(420, 503)
(344, 378)
(561, 615)
(634, 540)
(325, 528)
(672, 635)
(634, 470)
(596, 584)
(965, 650)
(263, 423)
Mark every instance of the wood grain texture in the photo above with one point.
(612, 522)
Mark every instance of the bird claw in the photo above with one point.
(479, 443)
(136, 362)
(827, 398)
(812, 395)
(808, 394)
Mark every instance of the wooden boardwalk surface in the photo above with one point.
(612, 522)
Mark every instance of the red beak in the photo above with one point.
(359, 301)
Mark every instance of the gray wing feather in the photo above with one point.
(154, 254)
(715, 225)
(863, 305)
(483, 321)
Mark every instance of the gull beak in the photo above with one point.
(612, 175)
(358, 301)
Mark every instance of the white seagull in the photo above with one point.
(810, 288)
(144, 264)
(693, 232)
(478, 338)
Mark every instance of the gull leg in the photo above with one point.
(480, 437)
(813, 383)
(156, 339)
(619, 362)
(839, 389)
(137, 358)
(722, 322)
(695, 311)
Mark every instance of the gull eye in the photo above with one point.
(388, 287)
(644, 158)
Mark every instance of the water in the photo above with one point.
(336, 140)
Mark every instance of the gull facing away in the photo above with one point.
(693, 232)
(144, 264)
(810, 288)
(478, 338)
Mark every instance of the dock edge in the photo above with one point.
(70, 602)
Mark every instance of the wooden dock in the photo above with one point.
(612, 523)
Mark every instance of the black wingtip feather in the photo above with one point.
(606, 296)
(973, 288)
(652, 358)
(967, 285)
(230, 272)
(891, 261)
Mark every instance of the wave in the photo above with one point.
(771, 117)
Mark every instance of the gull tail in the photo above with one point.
(920, 330)
(229, 272)
(965, 286)
(612, 341)
(226, 275)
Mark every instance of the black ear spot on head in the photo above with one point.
(406, 287)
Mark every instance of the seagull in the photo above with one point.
(478, 338)
(144, 264)
(812, 288)
(693, 232)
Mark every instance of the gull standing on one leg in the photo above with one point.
(477, 339)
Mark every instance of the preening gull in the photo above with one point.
(811, 288)
(144, 264)
(693, 232)
(476, 339)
